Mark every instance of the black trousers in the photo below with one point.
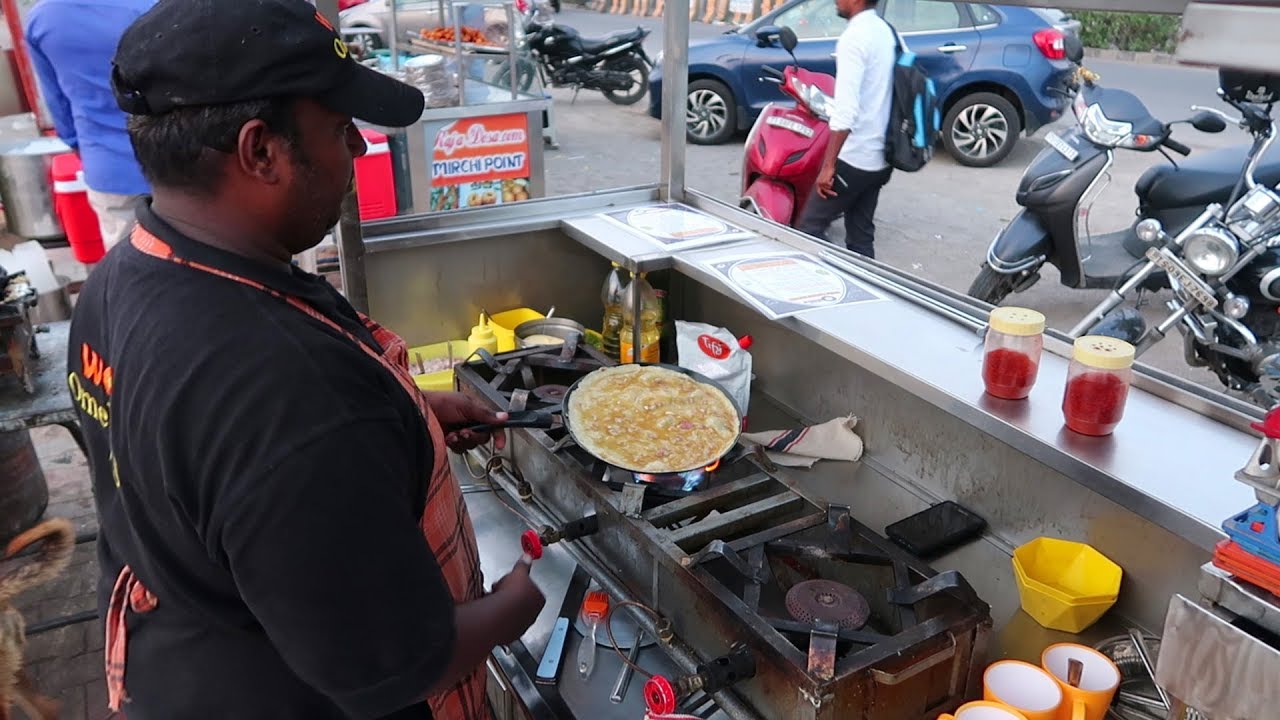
(857, 193)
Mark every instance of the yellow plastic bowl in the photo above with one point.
(1065, 585)
(442, 380)
(504, 326)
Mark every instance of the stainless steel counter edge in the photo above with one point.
(420, 230)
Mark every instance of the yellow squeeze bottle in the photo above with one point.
(482, 336)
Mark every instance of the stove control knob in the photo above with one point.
(659, 696)
(531, 544)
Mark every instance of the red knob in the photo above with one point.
(659, 696)
(531, 544)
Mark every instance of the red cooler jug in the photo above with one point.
(71, 203)
(375, 183)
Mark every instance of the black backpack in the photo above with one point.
(914, 119)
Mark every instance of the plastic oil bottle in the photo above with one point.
(650, 322)
(611, 297)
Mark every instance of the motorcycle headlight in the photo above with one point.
(1101, 130)
(1210, 251)
(818, 101)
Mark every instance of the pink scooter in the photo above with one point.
(785, 148)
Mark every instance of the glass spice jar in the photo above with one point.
(1097, 384)
(1015, 340)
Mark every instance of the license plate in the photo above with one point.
(792, 125)
(1062, 146)
(1191, 284)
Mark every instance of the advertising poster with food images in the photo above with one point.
(480, 161)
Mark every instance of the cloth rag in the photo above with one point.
(804, 447)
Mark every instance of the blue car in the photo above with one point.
(999, 70)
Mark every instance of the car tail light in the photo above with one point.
(1052, 43)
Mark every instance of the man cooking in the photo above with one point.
(281, 537)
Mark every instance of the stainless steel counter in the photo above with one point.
(1150, 497)
(1171, 465)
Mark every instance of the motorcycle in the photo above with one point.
(785, 148)
(1223, 267)
(1059, 187)
(616, 64)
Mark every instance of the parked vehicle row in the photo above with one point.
(1000, 71)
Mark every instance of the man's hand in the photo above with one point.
(826, 181)
(456, 411)
(521, 595)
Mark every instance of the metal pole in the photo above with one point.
(675, 91)
(350, 243)
(393, 42)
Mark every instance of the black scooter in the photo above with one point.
(1059, 188)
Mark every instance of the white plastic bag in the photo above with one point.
(715, 353)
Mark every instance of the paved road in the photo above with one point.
(936, 223)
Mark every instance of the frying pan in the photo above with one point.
(699, 377)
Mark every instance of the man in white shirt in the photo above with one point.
(854, 168)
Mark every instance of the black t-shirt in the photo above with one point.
(265, 478)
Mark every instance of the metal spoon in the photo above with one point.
(1140, 645)
(1075, 671)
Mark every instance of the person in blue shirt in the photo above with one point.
(71, 43)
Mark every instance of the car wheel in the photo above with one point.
(981, 129)
(365, 40)
(710, 114)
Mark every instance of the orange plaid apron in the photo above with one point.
(445, 520)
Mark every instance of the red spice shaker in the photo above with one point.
(1097, 384)
(1015, 340)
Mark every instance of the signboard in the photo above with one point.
(479, 161)
(675, 226)
(784, 284)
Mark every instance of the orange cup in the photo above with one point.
(1098, 682)
(1028, 689)
(983, 710)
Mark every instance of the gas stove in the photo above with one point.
(834, 620)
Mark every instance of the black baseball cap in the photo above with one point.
(215, 52)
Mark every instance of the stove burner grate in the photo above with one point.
(827, 601)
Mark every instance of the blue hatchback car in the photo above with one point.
(999, 70)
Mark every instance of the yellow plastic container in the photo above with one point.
(1065, 585)
(441, 380)
(504, 326)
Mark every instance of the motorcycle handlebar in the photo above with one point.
(771, 72)
(1177, 147)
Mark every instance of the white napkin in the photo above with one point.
(803, 447)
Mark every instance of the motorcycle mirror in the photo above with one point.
(766, 35)
(1208, 122)
(789, 40)
(1074, 48)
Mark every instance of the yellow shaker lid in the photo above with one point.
(1017, 321)
(1104, 353)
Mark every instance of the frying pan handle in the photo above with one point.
(522, 419)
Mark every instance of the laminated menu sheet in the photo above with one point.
(783, 284)
(674, 226)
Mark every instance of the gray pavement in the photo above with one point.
(936, 223)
